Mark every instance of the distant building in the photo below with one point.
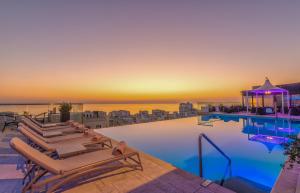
(174, 115)
(186, 110)
(120, 117)
(95, 119)
(142, 117)
(158, 115)
(120, 113)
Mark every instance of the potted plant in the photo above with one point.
(65, 109)
(292, 150)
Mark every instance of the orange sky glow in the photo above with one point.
(144, 52)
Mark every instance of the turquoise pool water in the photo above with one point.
(253, 144)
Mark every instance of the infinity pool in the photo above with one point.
(253, 144)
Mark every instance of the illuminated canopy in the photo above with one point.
(268, 88)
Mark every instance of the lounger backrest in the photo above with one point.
(34, 138)
(40, 128)
(31, 125)
(35, 122)
(35, 156)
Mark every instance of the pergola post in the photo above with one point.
(288, 99)
(275, 104)
(282, 103)
(247, 101)
(243, 102)
(256, 102)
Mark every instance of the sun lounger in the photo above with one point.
(89, 141)
(71, 169)
(53, 139)
(47, 125)
(52, 131)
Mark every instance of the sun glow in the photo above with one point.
(144, 52)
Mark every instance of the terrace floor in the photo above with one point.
(157, 177)
(288, 180)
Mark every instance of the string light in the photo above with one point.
(267, 92)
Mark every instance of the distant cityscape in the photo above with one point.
(101, 119)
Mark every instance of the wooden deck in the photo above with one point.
(157, 177)
(288, 180)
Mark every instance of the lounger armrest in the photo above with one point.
(49, 153)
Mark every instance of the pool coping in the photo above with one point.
(279, 116)
(288, 180)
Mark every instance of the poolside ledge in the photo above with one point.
(288, 180)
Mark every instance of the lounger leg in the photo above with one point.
(109, 144)
(27, 174)
(3, 129)
(34, 180)
(140, 162)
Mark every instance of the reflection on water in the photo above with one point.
(270, 132)
(256, 159)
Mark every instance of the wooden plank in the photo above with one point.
(287, 180)
(157, 177)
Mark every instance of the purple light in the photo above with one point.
(268, 92)
(289, 130)
(268, 139)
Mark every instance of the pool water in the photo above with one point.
(253, 144)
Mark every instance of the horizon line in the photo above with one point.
(119, 102)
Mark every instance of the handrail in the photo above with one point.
(44, 116)
(202, 135)
(44, 113)
(9, 122)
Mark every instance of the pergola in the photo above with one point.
(268, 89)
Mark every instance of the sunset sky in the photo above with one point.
(147, 51)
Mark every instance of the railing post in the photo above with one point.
(218, 149)
(200, 156)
